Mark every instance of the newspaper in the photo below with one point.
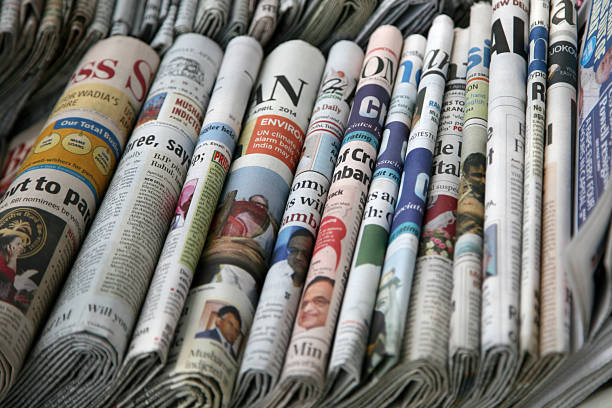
(211, 17)
(53, 199)
(27, 20)
(185, 16)
(264, 21)
(16, 153)
(9, 29)
(319, 21)
(503, 205)
(60, 71)
(238, 21)
(427, 331)
(464, 340)
(354, 15)
(109, 278)
(303, 377)
(277, 307)
(557, 191)
(165, 36)
(203, 360)
(150, 344)
(592, 172)
(150, 20)
(22, 80)
(351, 338)
(409, 16)
(123, 17)
(535, 132)
(405, 364)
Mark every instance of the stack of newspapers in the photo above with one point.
(339, 203)
(43, 41)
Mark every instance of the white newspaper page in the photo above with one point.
(152, 337)
(54, 198)
(277, 307)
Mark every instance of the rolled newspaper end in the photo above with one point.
(186, 15)
(557, 191)
(9, 29)
(427, 331)
(150, 20)
(504, 206)
(108, 281)
(464, 341)
(264, 21)
(410, 372)
(303, 377)
(222, 300)
(150, 343)
(211, 17)
(352, 333)
(277, 307)
(54, 197)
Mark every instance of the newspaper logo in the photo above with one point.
(28, 225)
(221, 160)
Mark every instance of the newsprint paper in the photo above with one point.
(111, 275)
(351, 338)
(203, 361)
(504, 205)
(464, 340)
(277, 307)
(303, 376)
(148, 350)
(108, 281)
(53, 199)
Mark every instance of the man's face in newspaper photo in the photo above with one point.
(299, 249)
(229, 325)
(315, 303)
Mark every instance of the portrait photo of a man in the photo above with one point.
(226, 329)
(315, 303)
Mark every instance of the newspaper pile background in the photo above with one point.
(43, 40)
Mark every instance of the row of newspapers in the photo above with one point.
(43, 41)
(413, 225)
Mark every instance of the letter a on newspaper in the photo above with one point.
(203, 360)
(54, 197)
(277, 307)
(303, 377)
